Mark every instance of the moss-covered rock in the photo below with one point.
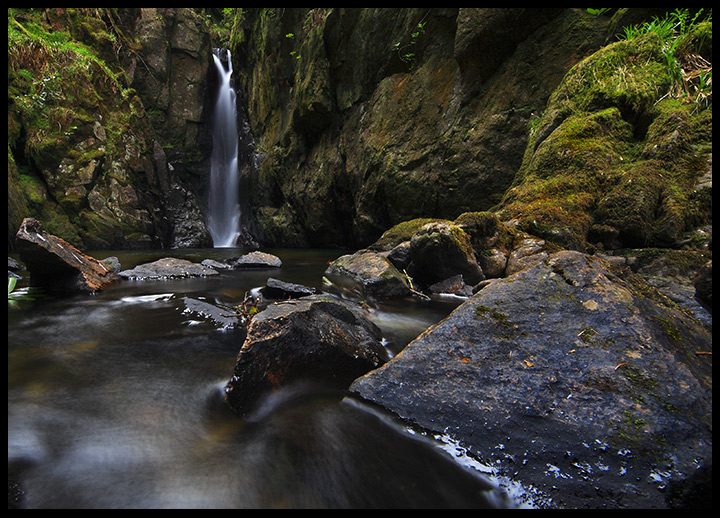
(486, 231)
(368, 274)
(439, 251)
(619, 151)
(400, 233)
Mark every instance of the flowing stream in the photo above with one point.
(116, 401)
(224, 203)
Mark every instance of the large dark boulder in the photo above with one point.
(368, 273)
(573, 377)
(315, 339)
(441, 250)
(56, 265)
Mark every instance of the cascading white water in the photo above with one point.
(224, 204)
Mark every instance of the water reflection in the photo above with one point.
(115, 401)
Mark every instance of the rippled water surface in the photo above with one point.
(115, 400)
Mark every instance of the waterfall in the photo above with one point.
(224, 203)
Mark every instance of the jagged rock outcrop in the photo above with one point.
(368, 117)
(453, 110)
(173, 76)
(56, 265)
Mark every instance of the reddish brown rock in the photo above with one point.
(56, 265)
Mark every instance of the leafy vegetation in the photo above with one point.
(691, 74)
(407, 52)
(54, 79)
(16, 294)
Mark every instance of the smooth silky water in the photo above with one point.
(115, 400)
(224, 200)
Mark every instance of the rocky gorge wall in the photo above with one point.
(356, 120)
(369, 117)
(366, 118)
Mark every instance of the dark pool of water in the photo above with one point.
(115, 401)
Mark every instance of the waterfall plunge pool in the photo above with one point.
(115, 401)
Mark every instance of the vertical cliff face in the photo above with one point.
(367, 117)
(357, 119)
(173, 76)
(108, 124)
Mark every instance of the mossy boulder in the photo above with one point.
(402, 232)
(439, 251)
(618, 153)
(492, 240)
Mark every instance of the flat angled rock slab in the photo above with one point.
(590, 387)
(277, 289)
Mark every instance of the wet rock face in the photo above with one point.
(56, 265)
(314, 339)
(572, 376)
(120, 170)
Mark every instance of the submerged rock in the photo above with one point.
(221, 315)
(55, 264)
(257, 259)
(574, 377)
(277, 289)
(313, 339)
(215, 265)
(167, 268)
